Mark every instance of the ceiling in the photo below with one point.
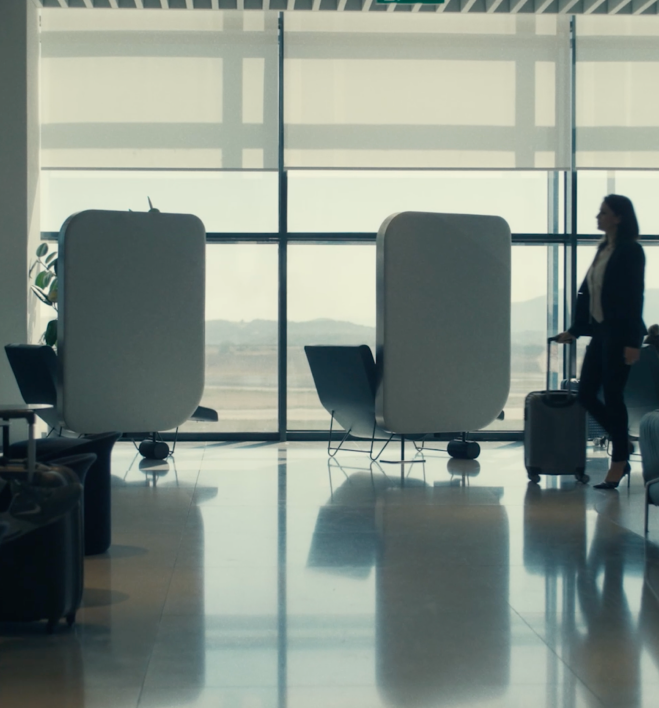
(606, 7)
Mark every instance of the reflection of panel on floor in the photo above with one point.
(345, 538)
(554, 528)
(443, 627)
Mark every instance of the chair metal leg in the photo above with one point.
(382, 449)
(332, 451)
(392, 462)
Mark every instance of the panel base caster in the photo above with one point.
(463, 449)
(154, 449)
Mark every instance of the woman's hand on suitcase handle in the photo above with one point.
(565, 338)
(632, 355)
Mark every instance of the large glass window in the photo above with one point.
(642, 187)
(241, 338)
(234, 202)
(331, 300)
(322, 313)
(529, 299)
(382, 113)
(335, 201)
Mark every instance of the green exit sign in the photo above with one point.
(410, 2)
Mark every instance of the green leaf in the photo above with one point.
(51, 256)
(40, 295)
(53, 265)
(40, 280)
(42, 249)
(50, 335)
(52, 293)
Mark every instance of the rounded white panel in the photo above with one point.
(443, 321)
(131, 320)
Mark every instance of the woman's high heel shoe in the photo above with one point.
(614, 485)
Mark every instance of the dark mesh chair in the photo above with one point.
(649, 443)
(346, 383)
(35, 370)
(642, 389)
(345, 380)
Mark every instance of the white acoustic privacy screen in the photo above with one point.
(426, 90)
(617, 92)
(144, 89)
(131, 320)
(443, 322)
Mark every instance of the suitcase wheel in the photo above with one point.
(50, 626)
(71, 619)
(583, 478)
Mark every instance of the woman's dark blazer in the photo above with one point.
(622, 297)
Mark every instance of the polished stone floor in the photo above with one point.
(257, 575)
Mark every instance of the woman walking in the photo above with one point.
(610, 310)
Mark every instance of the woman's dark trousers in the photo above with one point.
(604, 367)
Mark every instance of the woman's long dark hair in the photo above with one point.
(623, 208)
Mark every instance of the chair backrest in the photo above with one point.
(345, 380)
(35, 370)
(649, 444)
(642, 389)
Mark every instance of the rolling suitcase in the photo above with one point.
(554, 433)
(41, 553)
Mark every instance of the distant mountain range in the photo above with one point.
(264, 332)
(527, 316)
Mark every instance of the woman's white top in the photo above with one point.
(595, 279)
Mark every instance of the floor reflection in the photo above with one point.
(591, 578)
(345, 537)
(443, 626)
(266, 576)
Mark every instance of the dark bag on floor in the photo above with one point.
(41, 572)
(41, 552)
(554, 433)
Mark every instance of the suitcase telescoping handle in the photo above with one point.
(558, 399)
(549, 343)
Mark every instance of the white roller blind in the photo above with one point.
(617, 92)
(148, 89)
(422, 90)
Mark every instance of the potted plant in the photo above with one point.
(44, 272)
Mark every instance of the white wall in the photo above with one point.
(19, 174)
